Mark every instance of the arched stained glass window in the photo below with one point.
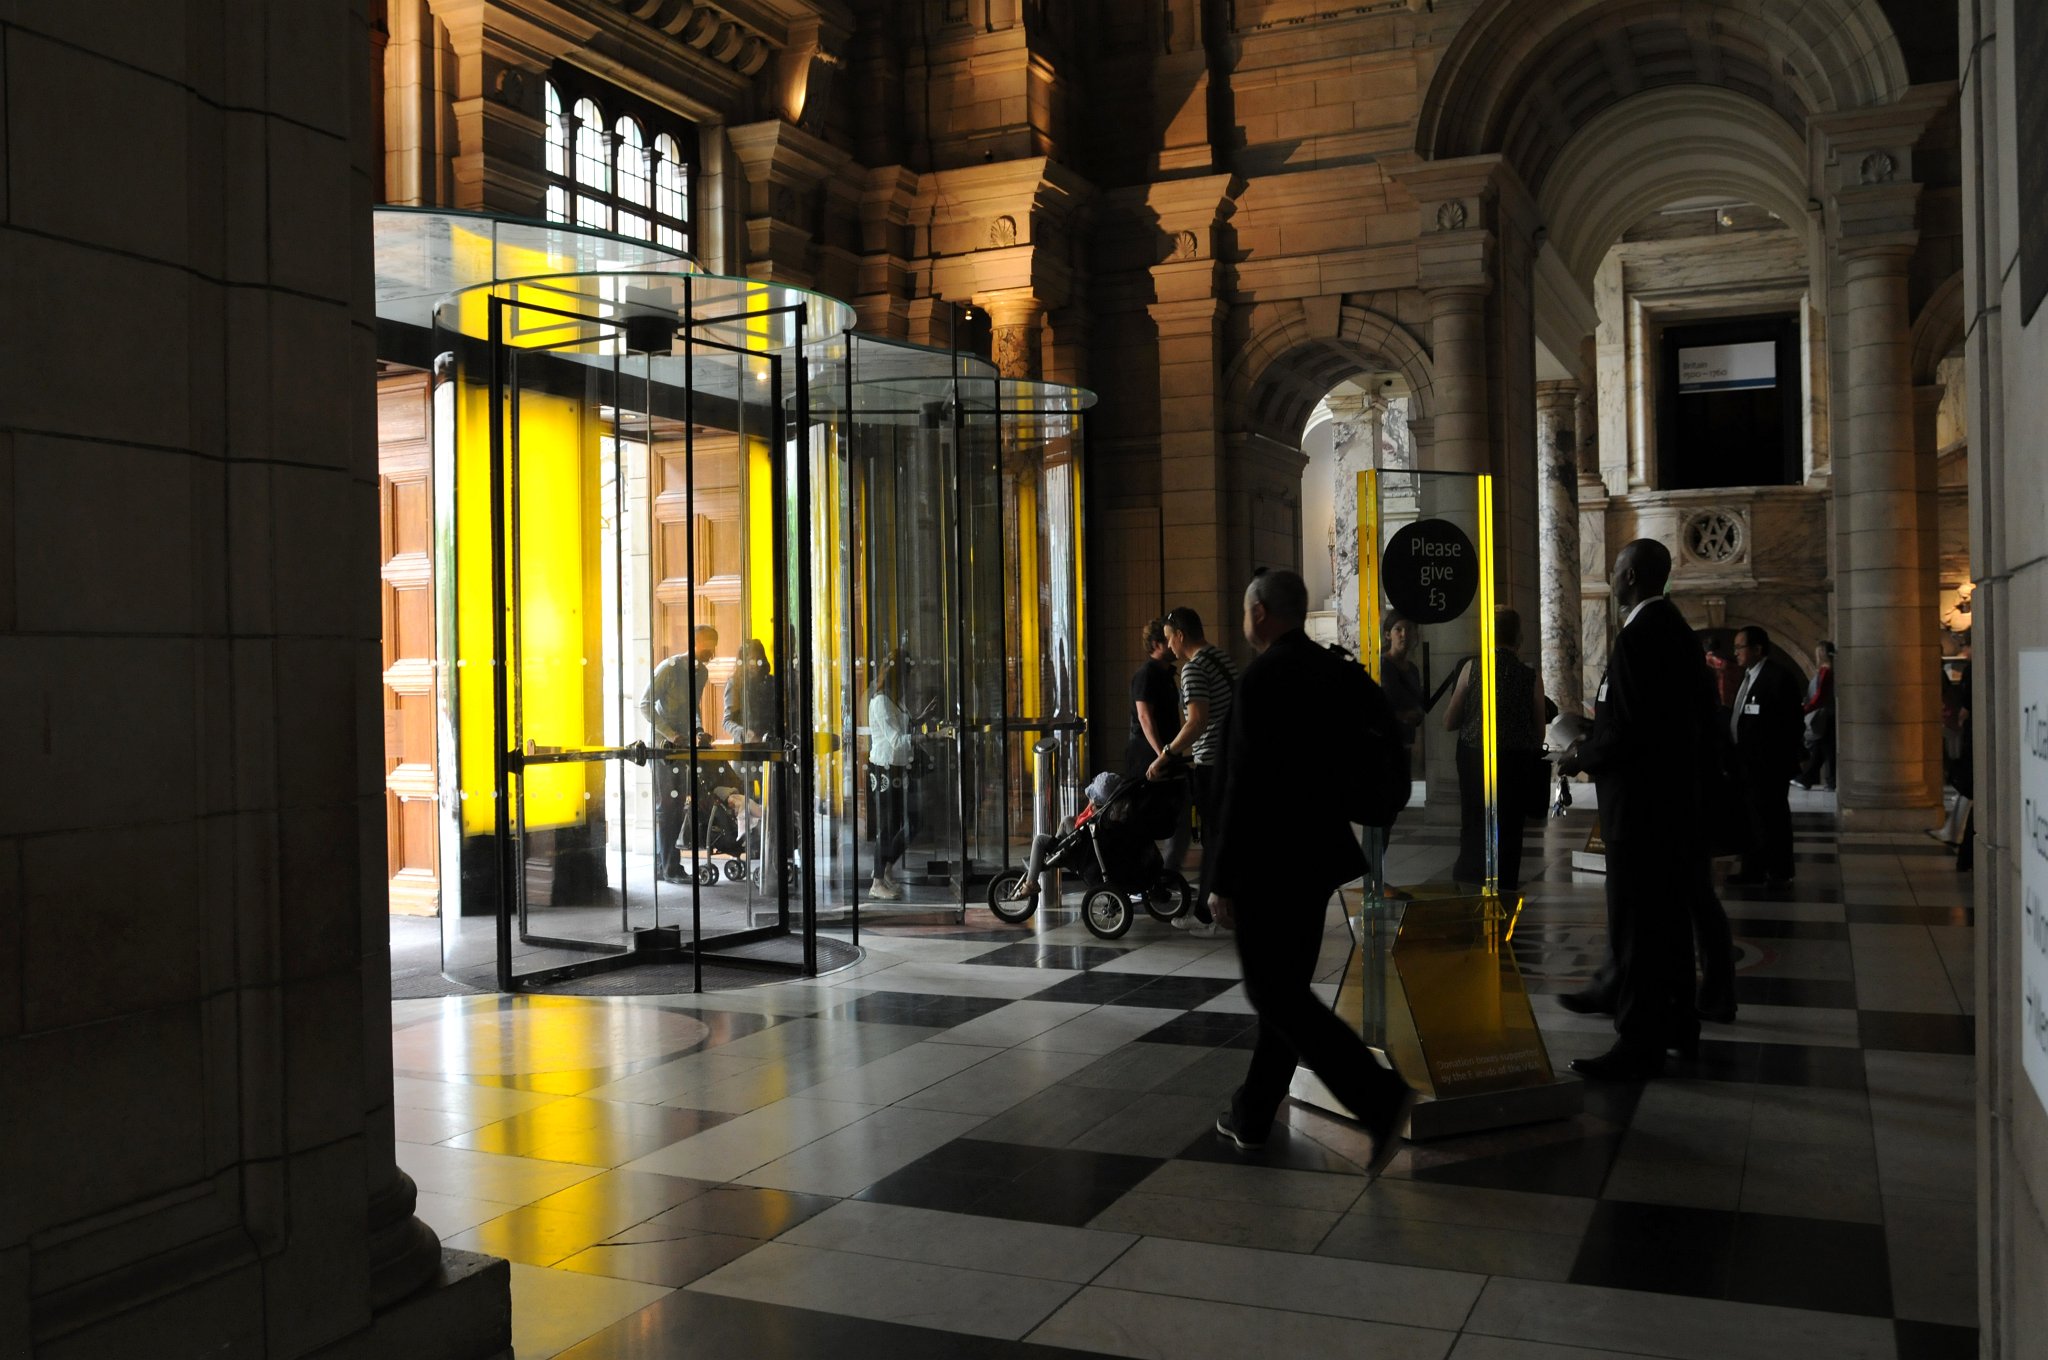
(616, 163)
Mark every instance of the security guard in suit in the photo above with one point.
(1770, 744)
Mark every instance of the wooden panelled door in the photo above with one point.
(406, 566)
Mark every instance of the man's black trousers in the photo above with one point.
(1279, 935)
(1649, 927)
(1770, 823)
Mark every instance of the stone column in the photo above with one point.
(1557, 512)
(1017, 321)
(1458, 335)
(1887, 679)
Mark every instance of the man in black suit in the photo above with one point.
(1283, 848)
(1770, 743)
(1652, 720)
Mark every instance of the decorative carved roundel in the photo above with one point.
(1715, 537)
(1877, 168)
(1450, 216)
(1003, 232)
(1185, 245)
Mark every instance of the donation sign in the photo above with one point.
(1430, 571)
(2033, 855)
(1727, 368)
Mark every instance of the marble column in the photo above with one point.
(1887, 681)
(1557, 514)
(1458, 351)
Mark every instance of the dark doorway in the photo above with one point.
(1726, 423)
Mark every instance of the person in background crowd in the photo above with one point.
(1401, 682)
(673, 707)
(1769, 745)
(750, 695)
(1958, 758)
(1819, 716)
(1653, 719)
(1727, 675)
(1208, 688)
(1155, 718)
(1273, 865)
(892, 753)
(1518, 738)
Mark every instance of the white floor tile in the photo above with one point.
(732, 1149)
(1159, 1327)
(1302, 1284)
(1671, 1326)
(975, 1302)
(849, 1160)
(552, 1310)
(1006, 1247)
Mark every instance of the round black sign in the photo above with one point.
(1430, 571)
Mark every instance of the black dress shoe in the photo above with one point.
(1621, 1064)
(1587, 1003)
(1686, 1046)
(1386, 1130)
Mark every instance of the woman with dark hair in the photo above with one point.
(1518, 738)
(892, 751)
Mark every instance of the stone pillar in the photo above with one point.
(1458, 335)
(498, 105)
(1557, 510)
(1016, 319)
(1887, 679)
(195, 1010)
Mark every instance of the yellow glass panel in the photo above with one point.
(1030, 646)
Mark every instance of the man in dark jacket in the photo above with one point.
(1284, 848)
(1770, 743)
(1652, 724)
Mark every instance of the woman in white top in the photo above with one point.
(891, 752)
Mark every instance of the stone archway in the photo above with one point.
(1296, 352)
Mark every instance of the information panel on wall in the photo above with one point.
(1727, 368)
(2033, 855)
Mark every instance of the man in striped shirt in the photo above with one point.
(1208, 687)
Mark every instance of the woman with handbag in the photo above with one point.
(892, 758)
(1523, 777)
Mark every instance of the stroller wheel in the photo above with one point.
(735, 870)
(1170, 898)
(1005, 887)
(707, 874)
(1107, 913)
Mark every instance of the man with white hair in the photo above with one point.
(1284, 847)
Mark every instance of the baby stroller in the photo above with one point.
(712, 838)
(1111, 846)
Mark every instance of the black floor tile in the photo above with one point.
(1910, 916)
(1798, 890)
(1574, 1166)
(1811, 1263)
(732, 1211)
(1914, 1032)
(984, 1157)
(1069, 1187)
(1660, 1248)
(1136, 989)
(1206, 1029)
(1765, 929)
(1030, 954)
(1286, 1148)
(921, 1187)
(1839, 1069)
(918, 1008)
(690, 1322)
(1934, 1341)
(1756, 991)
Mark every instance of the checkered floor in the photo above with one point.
(995, 1141)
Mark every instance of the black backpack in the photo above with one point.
(1369, 746)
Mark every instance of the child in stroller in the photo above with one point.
(1112, 845)
(721, 828)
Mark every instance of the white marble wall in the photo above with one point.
(1557, 511)
(1380, 438)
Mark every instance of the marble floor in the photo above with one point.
(995, 1141)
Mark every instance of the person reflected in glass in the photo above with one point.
(750, 696)
(673, 707)
(1518, 737)
(892, 756)
(1401, 682)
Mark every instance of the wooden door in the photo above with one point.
(406, 503)
(720, 532)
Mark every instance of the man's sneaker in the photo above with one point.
(882, 891)
(1201, 930)
(1227, 1127)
